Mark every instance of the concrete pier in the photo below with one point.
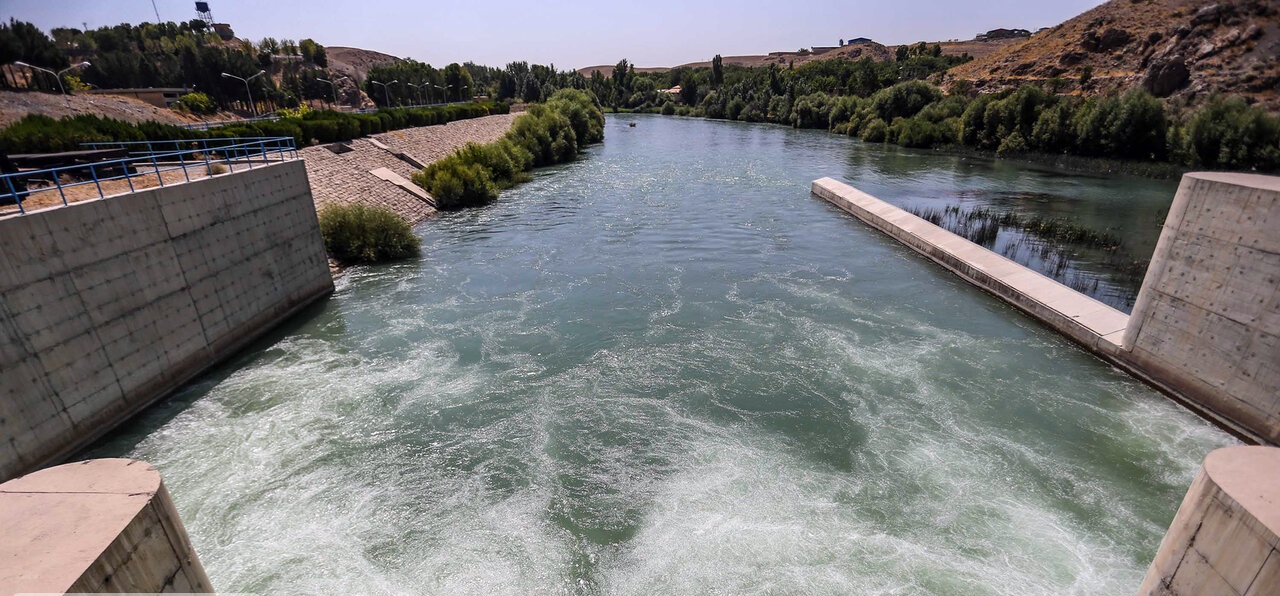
(1225, 539)
(1206, 326)
(104, 525)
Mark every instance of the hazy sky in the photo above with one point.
(574, 34)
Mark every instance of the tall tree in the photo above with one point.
(717, 71)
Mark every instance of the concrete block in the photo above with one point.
(95, 526)
(110, 304)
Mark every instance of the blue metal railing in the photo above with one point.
(146, 159)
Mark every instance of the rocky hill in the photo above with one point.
(1186, 50)
(355, 62)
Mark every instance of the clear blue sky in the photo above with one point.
(574, 34)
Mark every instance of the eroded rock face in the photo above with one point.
(1110, 39)
(1166, 76)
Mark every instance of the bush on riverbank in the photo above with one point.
(1222, 134)
(547, 134)
(358, 233)
(42, 134)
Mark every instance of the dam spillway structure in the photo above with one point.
(1205, 328)
(118, 289)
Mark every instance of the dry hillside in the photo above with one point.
(16, 104)
(1183, 49)
(355, 62)
(853, 51)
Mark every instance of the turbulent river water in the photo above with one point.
(667, 369)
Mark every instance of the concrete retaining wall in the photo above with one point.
(97, 526)
(108, 305)
(1207, 320)
(1206, 326)
(1223, 540)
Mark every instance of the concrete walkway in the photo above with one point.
(1080, 317)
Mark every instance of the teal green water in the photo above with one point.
(667, 369)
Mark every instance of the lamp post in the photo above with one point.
(56, 75)
(417, 89)
(252, 108)
(385, 94)
(331, 84)
(443, 92)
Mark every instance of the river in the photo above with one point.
(667, 369)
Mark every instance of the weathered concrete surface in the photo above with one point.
(378, 170)
(1207, 320)
(104, 525)
(1224, 540)
(1206, 326)
(108, 305)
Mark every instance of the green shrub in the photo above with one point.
(918, 133)
(363, 234)
(583, 113)
(875, 131)
(196, 103)
(668, 108)
(39, 134)
(547, 134)
(1228, 133)
(1012, 145)
(904, 100)
(455, 183)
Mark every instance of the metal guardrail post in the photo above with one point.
(14, 192)
(58, 182)
(156, 165)
(93, 172)
(183, 164)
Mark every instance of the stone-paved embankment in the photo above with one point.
(377, 170)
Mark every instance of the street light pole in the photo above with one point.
(417, 89)
(331, 84)
(445, 93)
(253, 109)
(56, 75)
(385, 94)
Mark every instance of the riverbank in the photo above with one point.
(376, 170)
(1063, 161)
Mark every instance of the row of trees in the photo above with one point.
(189, 55)
(893, 101)
(165, 55)
(760, 94)
(1225, 133)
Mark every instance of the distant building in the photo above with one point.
(822, 49)
(859, 40)
(995, 34)
(674, 92)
